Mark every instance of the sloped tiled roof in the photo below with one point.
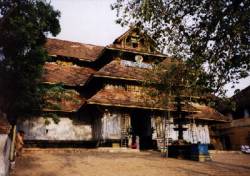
(69, 101)
(117, 70)
(70, 75)
(119, 97)
(85, 52)
(207, 113)
(122, 98)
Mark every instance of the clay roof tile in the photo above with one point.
(70, 75)
(84, 52)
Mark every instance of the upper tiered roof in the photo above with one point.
(116, 70)
(83, 52)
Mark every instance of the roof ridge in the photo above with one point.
(69, 41)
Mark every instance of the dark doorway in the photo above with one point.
(141, 126)
(226, 142)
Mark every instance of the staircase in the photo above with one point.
(124, 133)
(124, 138)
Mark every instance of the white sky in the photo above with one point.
(88, 21)
(93, 22)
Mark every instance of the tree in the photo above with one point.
(24, 25)
(172, 84)
(213, 35)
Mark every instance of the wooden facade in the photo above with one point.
(101, 99)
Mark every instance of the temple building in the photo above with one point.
(237, 133)
(94, 96)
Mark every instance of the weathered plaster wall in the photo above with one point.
(107, 126)
(4, 154)
(66, 129)
(111, 129)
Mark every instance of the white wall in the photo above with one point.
(111, 125)
(66, 129)
(195, 132)
(4, 154)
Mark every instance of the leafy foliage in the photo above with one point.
(52, 116)
(56, 97)
(213, 35)
(172, 80)
(46, 121)
(24, 25)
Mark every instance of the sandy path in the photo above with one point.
(92, 163)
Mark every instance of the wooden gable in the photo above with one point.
(136, 40)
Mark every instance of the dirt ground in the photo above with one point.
(81, 162)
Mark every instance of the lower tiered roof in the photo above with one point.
(115, 96)
(67, 74)
(65, 100)
(207, 113)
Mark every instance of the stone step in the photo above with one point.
(78, 150)
(225, 151)
(57, 150)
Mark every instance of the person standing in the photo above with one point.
(19, 143)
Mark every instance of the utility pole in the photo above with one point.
(164, 137)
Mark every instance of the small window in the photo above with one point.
(128, 40)
(134, 45)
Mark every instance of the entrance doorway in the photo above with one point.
(226, 142)
(141, 126)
